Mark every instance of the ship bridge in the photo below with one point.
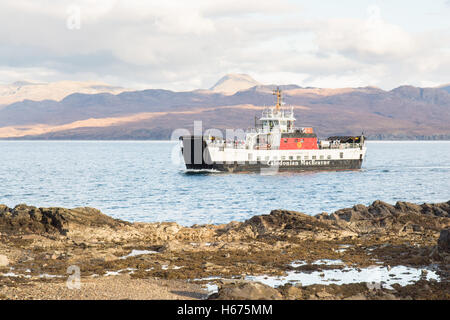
(277, 118)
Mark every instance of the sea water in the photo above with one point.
(145, 181)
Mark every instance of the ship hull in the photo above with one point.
(199, 157)
(284, 166)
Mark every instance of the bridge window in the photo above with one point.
(341, 155)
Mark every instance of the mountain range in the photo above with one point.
(406, 112)
(22, 90)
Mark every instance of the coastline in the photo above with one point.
(123, 260)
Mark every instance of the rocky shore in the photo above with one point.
(382, 251)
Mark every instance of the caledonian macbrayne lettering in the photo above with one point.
(300, 163)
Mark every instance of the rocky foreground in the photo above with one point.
(41, 250)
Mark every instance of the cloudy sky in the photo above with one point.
(184, 45)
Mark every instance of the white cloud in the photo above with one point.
(185, 45)
(365, 40)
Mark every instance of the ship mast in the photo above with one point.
(278, 94)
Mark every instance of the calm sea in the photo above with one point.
(138, 181)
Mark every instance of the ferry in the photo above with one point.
(274, 145)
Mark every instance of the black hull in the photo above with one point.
(285, 166)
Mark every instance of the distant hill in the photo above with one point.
(232, 83)
(25, 90)
(445, 87)
(406, 112)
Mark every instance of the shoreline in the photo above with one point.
(283, 255)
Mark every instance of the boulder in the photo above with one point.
(171, 246)
(247, 291)
(359, 296)
(27, 219)
(283, 222)
(378, 218)
(444, 241)
(292, 292)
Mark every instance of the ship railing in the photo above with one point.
(272, 113)
(239, 144)
(301, 129)
(222, 144)
(264, 147)
(258, 130)
(342, 146)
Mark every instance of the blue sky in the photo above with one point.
(184, 45)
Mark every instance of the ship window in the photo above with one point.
(285, 140)
(258, 158)
(250, 156)
(283, 158)
(306, 157)
(291, 158)
(275, 158)
(322, 157)
(273, 123)
(329, 157)
(299, 158)
(314, 157)
(267, 158)
(341, 155)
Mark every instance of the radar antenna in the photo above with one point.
(278, 94)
